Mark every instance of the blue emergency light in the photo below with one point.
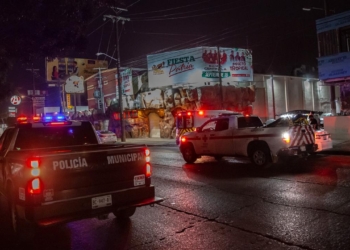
(48, 118)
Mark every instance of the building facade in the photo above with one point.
(151, 112)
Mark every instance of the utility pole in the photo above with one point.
(220, 78)
(273, 98)
(100, 86)
(33, 82)
(116, 19)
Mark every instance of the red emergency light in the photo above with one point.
(200, 112)
(189, 113)
(22, 119)
(36, 118)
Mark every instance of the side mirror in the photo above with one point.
(198, 129)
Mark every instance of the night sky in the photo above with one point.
(281, 35)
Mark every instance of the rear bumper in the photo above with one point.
(50, 213)
(298, 151)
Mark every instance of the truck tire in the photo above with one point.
(124, 213)
(189, 154)
(260, 156)
(22, 230)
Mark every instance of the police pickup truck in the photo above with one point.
(54, 171)
(239, 135)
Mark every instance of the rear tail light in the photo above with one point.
(35, 186)
(34, 164)
(22, 119)
(148, 155)
(148, 170)
(36, 118)
(148, 164)
(200, 112)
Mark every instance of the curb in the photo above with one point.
(335, 152)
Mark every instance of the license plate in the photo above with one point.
(139, 180)
(302, 148)
(101, 201)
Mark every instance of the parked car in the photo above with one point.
(107, 136)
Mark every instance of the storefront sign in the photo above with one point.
(336, 66)
(333, 22)
(15, 100)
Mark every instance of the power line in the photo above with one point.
(179, 7)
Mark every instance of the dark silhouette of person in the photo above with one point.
(242, 58)
(232, 56)
(215, 57)
(54, 75)
(210, 57)
(205, 56)
(75, 69)
(223, 57)
(237, 57)
(312, 120)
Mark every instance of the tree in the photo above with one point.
(32, 29)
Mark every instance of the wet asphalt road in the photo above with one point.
(223, 205)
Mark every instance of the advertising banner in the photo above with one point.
(336, 66)
(200, 66)
(333, 22)
(72, 71)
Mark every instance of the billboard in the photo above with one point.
(199, 66)
(72, 71)
(335, 66)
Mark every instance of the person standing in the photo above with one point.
(54, 75)
(232, 56)
(312, 120)
(75, 70)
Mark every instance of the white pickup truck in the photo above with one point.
(238, 135)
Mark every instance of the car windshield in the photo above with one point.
(250, 121)
(44, 137)
(281, 122)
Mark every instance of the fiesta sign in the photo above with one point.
(198, 65)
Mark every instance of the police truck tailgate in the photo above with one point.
(83, 180)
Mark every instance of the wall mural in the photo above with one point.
(175, 99)
(205, 97)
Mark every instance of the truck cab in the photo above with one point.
(187, 121)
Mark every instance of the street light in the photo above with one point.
(119, 95)
(100, 54)
(325, 8)
(312, 8)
